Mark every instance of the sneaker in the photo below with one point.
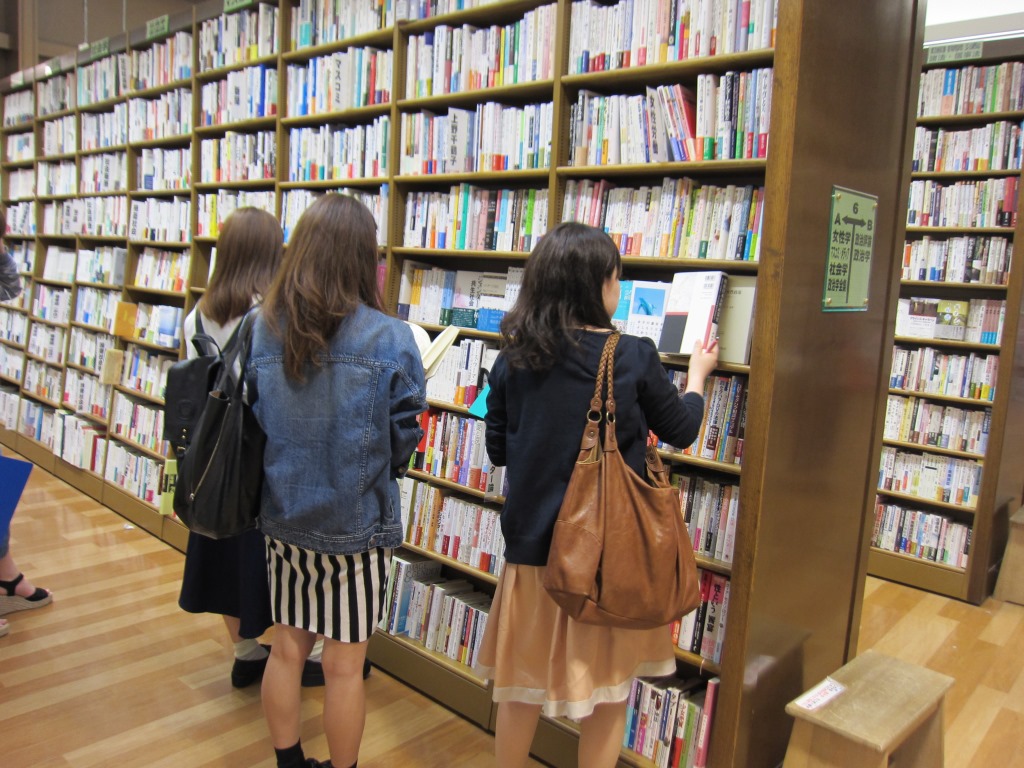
(246, 672)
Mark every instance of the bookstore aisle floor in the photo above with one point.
(113, 672)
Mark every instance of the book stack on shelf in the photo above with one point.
(470, 129)
(937, 519)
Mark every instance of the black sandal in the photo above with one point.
(11, 602)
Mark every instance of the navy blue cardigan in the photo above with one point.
(535, 423)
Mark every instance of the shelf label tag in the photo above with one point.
(937, 54)
(820, 695)
(158, 26)
(99, 48)
(851, 244)
(234, 5)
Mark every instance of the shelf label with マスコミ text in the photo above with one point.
(99, 48)
(851, 243)
(158, 26)
(819, 695)
(234, 5)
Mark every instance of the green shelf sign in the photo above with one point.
(99, 48)
(851, 244)
(938, 54)
(158, 26)
(234, 5)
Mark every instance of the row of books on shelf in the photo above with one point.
(57, 178)
(158, 220)
(21, 185)
(105, 173)
(966, 259)
(13, 326)
(21, 218)
(464, 298)
(88, 216)
(242, 94)
(979, 321)
(931, 371)
(990, 147)
(103, 130)
(162, 270)
(236, 157)
(137, 473)
(23, 252)
(20, 147)
(86, 394)
(212, 209)
(679, 218)
(924, 535)
(51, 303)
(987, 203)
(489, 137)
(339, 152)
(451, 59)
(12, 363)
(104, 79)
(972, 89)
(233, 38)
(294, 202)
(162, 63)
(138, 421)
(447, 616)
(56, 94)
(161, 169)
(59, 264)
(452, 448)
(314, 22)
(19, 108)
(726, 119)
(929, 476)
(668, 721)
(104, 265)
(144, 370)
(46, 341)
(723, 430)
(439, 521)
(80, 442)
(461, 375)
(635, 33)
(702, 630)
(913, 420)
(60, 136)
(467, 217)
(43, 380)
(164, 116)
(157, 324)
(710, 510)
(88, 349)
(348, 79)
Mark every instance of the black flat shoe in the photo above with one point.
(245, 673)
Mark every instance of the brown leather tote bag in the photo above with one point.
(620, 555)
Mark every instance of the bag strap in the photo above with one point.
(238, 348)
(603, 407)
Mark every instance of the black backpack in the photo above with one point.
(189, 382)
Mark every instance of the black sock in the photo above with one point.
(291, 757)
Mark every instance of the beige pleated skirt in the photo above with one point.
(536, 654)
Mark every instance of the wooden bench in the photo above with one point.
(1010, 585)
(890, 711)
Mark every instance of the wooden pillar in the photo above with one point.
(27, 29)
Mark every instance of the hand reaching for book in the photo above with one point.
(703, 361)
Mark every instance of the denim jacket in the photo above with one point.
(337, 443)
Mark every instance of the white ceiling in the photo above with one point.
(964, 19)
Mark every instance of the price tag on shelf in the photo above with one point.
(820, 695)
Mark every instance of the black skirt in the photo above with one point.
(229, 577)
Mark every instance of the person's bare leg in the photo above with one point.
(9, 572)
(513, 735)
(601, 735)
(344, 700)
(282, 691)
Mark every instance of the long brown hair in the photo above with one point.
(562, 290)
(330, 270)
(248, 254)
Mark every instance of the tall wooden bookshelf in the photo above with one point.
(838, 117)
(983, 515)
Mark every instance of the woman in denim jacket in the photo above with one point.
(337, 385)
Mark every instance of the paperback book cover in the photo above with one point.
(647, 304)
(735, 328)
(693, 311)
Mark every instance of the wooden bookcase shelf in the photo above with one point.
(814, 379)
(1002, 472)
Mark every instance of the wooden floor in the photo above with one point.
(114, 673)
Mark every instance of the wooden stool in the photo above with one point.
(890, 710)
(1010, 586)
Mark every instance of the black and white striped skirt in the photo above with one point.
(337, 596)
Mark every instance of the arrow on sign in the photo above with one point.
(858, 222)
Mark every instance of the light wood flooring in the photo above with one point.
(114, 673)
